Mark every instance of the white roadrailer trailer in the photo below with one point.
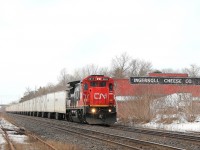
(56, 104)
(60, 102)
(43, 103)
(52, 105)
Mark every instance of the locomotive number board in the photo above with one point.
(164, 80)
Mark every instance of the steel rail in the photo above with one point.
(146, 144)
(6, 137)
(170, 134)
(82, 134)
(42, 141)
(29, 134)
(89, 136)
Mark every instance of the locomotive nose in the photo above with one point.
(99, 96)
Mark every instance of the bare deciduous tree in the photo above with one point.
(104, 71)
(64, 77)
(77, 74)
(89, 70)
(50, 87)
(192, 71)
(169, 70)
(27, 91)
(144, 68)
(28, 94)
(120, 65)
(139, 68)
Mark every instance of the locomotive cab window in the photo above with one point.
(102, 84)
(77, 93)
(85, 86)
(93, 84)
(110, 87)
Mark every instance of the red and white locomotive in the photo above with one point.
(92, 100)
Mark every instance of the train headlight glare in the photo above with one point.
(93, 110)
(109, 110)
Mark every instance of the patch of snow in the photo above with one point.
(197, 119)
(7, 125)
(13, 136)
(18, 138)
(181, 127)
(2, 140)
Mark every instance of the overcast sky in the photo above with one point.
(38, 38)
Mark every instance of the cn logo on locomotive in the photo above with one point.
(100, 96)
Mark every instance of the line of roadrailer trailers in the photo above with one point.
(91, 100)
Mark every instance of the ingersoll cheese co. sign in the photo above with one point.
(164, 80)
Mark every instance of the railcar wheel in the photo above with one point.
(50, 115)
(81, 116)
(58, 116)
(42, 114)
(69, 116)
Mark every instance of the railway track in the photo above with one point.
(113, 139)
(51, 147)
(162, 133)
(11, 145)
(6, 137)
(125, 142)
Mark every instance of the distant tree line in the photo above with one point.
(122, 66)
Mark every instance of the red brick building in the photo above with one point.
(158, 84)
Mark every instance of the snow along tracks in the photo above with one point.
(6, 137)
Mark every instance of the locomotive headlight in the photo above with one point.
(109, 110)
(93, 110)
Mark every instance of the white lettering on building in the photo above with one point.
(146, 80)
(173, 81)
(188, 81)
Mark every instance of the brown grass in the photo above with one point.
(143, 109)
(36, 145)
(137, 110)
(167, 120)
(63, 146)
(39, 146)
(186, 108)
